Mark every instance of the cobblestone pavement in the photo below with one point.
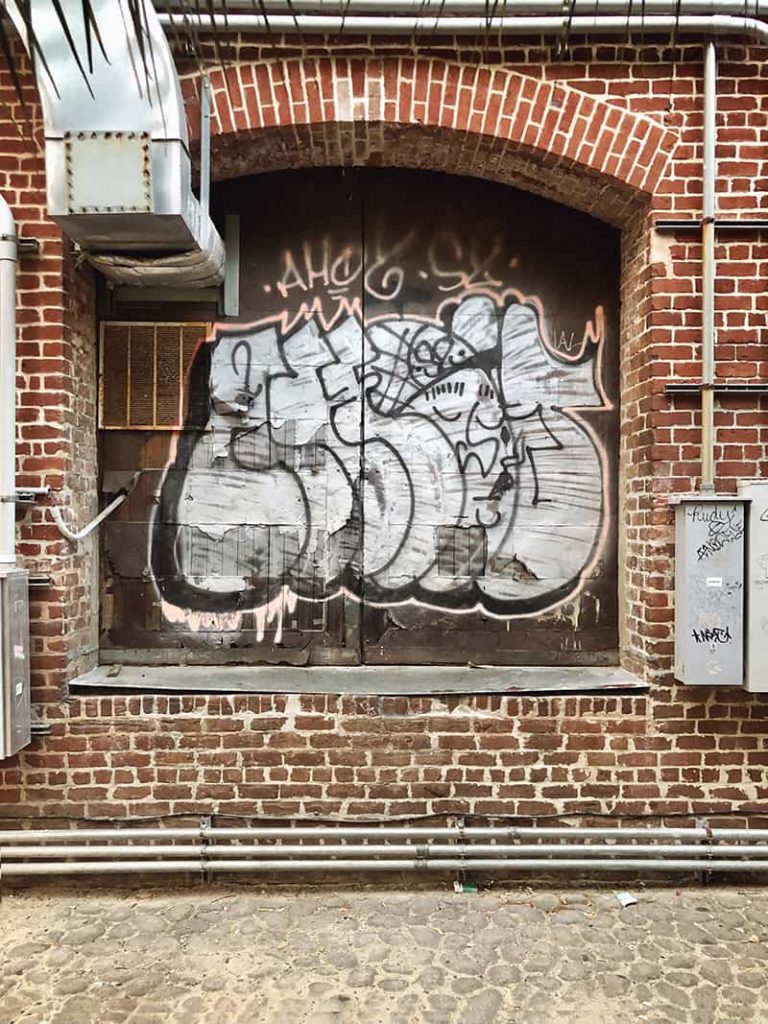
(250, 954)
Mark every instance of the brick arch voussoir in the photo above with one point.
(488, 122)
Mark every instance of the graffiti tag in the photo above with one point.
(724, 526)
(713, 635)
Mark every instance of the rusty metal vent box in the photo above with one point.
(143, 367)
(15, 709)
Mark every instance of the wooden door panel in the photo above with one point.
(403, 450)
(491, 427)
(241, 548)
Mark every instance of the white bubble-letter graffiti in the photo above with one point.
(442, 463)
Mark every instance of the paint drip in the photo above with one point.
(199, 621)
(274, 611)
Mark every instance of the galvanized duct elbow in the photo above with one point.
(202, 267)
(118, 166)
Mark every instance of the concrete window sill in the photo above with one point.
(395, 680)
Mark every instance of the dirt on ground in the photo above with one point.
(252, 954)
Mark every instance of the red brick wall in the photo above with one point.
(614, 130)
(56, 380)
(576, 757)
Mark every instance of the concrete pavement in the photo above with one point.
(249, 954)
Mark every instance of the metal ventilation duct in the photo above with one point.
(116, 147)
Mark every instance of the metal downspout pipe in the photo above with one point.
(708, 272)
(7, 386)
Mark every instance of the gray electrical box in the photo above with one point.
(15, 709)
(756, 672)
(709, 591)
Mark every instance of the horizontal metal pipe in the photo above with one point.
(428, 850)
(443, 864)
(87, 852)
(37, 835)
(386, 832)
(486, 850)
(477, 832)
(118, 851)
(106, 867)
(757, 8)
(469, 864)
(725, 24)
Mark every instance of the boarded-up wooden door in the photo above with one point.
(404, 450)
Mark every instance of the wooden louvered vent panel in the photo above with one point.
(143, 367)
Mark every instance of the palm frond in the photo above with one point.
(217, 43)
(10, 63)
(92, 26)
(136, 14)
(71, 42)
(33, 44)
(292, 12)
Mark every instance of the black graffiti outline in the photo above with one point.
(712, 635)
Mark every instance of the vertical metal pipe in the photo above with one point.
(7, 385)
(232, 265)
(205, 145)
(708, 272)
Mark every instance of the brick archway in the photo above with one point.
(547, 138)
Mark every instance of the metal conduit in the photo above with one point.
(14, 836)
(755, 9)
(428, 850)
(76, 535)
(709, 172)
(8, 257)
(454, 864)
(204, 849)
(287, 24)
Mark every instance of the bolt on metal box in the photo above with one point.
(108, 172)
(709, 591)
(15, 709)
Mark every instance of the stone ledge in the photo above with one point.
(389, 680)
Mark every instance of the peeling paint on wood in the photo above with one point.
(415, 413)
